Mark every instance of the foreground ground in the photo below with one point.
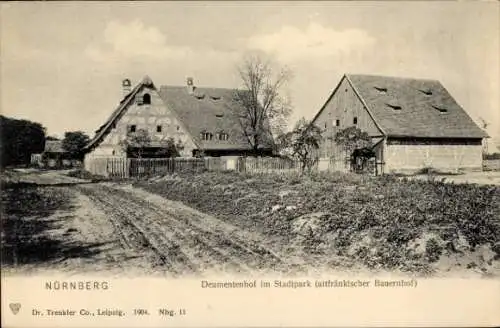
(234, 223)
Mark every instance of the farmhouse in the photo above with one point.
(202, 120)
(413, 123)
(53, 155)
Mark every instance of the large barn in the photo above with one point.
(203, 120)
(413, 123)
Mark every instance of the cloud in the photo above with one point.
(291, 43)
(134, 40)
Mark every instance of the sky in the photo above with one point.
(62, 63)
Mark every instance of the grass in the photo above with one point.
(380, 222)
(86, 175)
(25, 231)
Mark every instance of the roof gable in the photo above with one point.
(127, 99)
(414, 107)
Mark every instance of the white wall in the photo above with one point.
(442, 157)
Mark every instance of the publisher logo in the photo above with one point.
(15, 307)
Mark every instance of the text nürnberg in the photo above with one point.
(291, 283)
(76, 285)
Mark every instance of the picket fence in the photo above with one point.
(122, 168)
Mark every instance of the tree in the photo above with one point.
(19, 139)
(352, 138)
(357, 145)
(170, 148)
(263, 109)
(302, 143)
(74, 142)
(137, 143)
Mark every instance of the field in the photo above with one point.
(231, 222)
(379, 223)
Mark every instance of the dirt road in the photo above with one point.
(175, 237)
(117, 228)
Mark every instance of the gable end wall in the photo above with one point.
(144, 117)
(344, 105)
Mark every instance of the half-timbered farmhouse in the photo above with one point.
(203, 120)
(413, 123)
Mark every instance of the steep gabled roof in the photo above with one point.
(207, 110)
(413, 107)
(127, 99)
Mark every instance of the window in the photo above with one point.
(394, 106)
(355, 120)
(146, 99)
(206, 136)
(337, 122)
(139, 100)
(158, 128)
(222, 136)
(132, 128)
(441, 109)
(325, 125)
(381, 90)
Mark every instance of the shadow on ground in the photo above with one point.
(29, 233)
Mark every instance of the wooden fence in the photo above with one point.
(491, 165)
(122, 168)
(269, 165)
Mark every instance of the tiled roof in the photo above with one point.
(414, 107)
(210, 110)
(54, 146)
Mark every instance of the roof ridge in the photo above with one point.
(392, 77)
(197, 87)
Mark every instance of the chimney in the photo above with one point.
(126, 87)
(190, 85)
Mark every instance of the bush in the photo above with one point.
(433, 250)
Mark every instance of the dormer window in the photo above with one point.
(427, 92)
(394, 106)
(215, 97)
(442, 110)
(220, 115)
(146, 99)
(381, 90)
